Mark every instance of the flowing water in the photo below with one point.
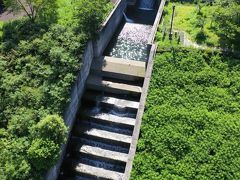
(129, 42)
(147, 4)
(132, 42)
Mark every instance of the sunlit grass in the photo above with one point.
(65, 11)
(186, 18)
(1, 25)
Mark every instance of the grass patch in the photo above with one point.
(1, 26)
(65, 11)
(186, 19)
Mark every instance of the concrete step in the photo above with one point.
(98, 83)
(98, 172)
(119, 68)
(110, 118)
(100, 143)
(106, 127)
(103, 134)
(71, 176)
(111, 101)
(103, 153)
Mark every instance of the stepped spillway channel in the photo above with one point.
(103, 132)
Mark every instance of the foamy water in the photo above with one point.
(132, 42)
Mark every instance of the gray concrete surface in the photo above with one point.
(113, 119)
(97, 83)
(120, 66)
(96, 151)
(145, 89)
(99, 172)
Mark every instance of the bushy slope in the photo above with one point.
(38, 65)
(191, 126)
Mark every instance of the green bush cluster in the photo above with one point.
(39, 62)
(191, 126)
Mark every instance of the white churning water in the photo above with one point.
(132, 42)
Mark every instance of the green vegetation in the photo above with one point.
(1, 25)
(214, 25)
(191, 125)
(39, 61)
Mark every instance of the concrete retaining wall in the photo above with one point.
(93, 49)
(150, 62)
(140, 113)
(109, 28)
(156, 22)
(75, 102)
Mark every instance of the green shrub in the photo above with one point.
(90, 15)
(39, 63)
(43, 154)
(191, 126)
(51, 127)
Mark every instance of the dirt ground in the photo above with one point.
(6, 15)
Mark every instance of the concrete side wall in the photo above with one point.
(156, 22)
(93, 49)
(109, 28)
(150, 62)
(75, 102)
(140, 113)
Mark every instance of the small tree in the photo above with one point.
(32, 8)
(48, 135)
(90, 15)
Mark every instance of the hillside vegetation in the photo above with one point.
(191, 126)
(39, 61)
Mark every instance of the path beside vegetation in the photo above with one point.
(189, 43)
(7, 15)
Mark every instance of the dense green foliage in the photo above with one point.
(191, 126)
(39, 62)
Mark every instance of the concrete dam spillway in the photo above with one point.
(101, 137)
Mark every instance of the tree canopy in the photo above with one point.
(39, 62)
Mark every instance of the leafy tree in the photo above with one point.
(1, 5)
(21, 121)
(32, 8)
(38, 65)
(90, 15)
(227, 18)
